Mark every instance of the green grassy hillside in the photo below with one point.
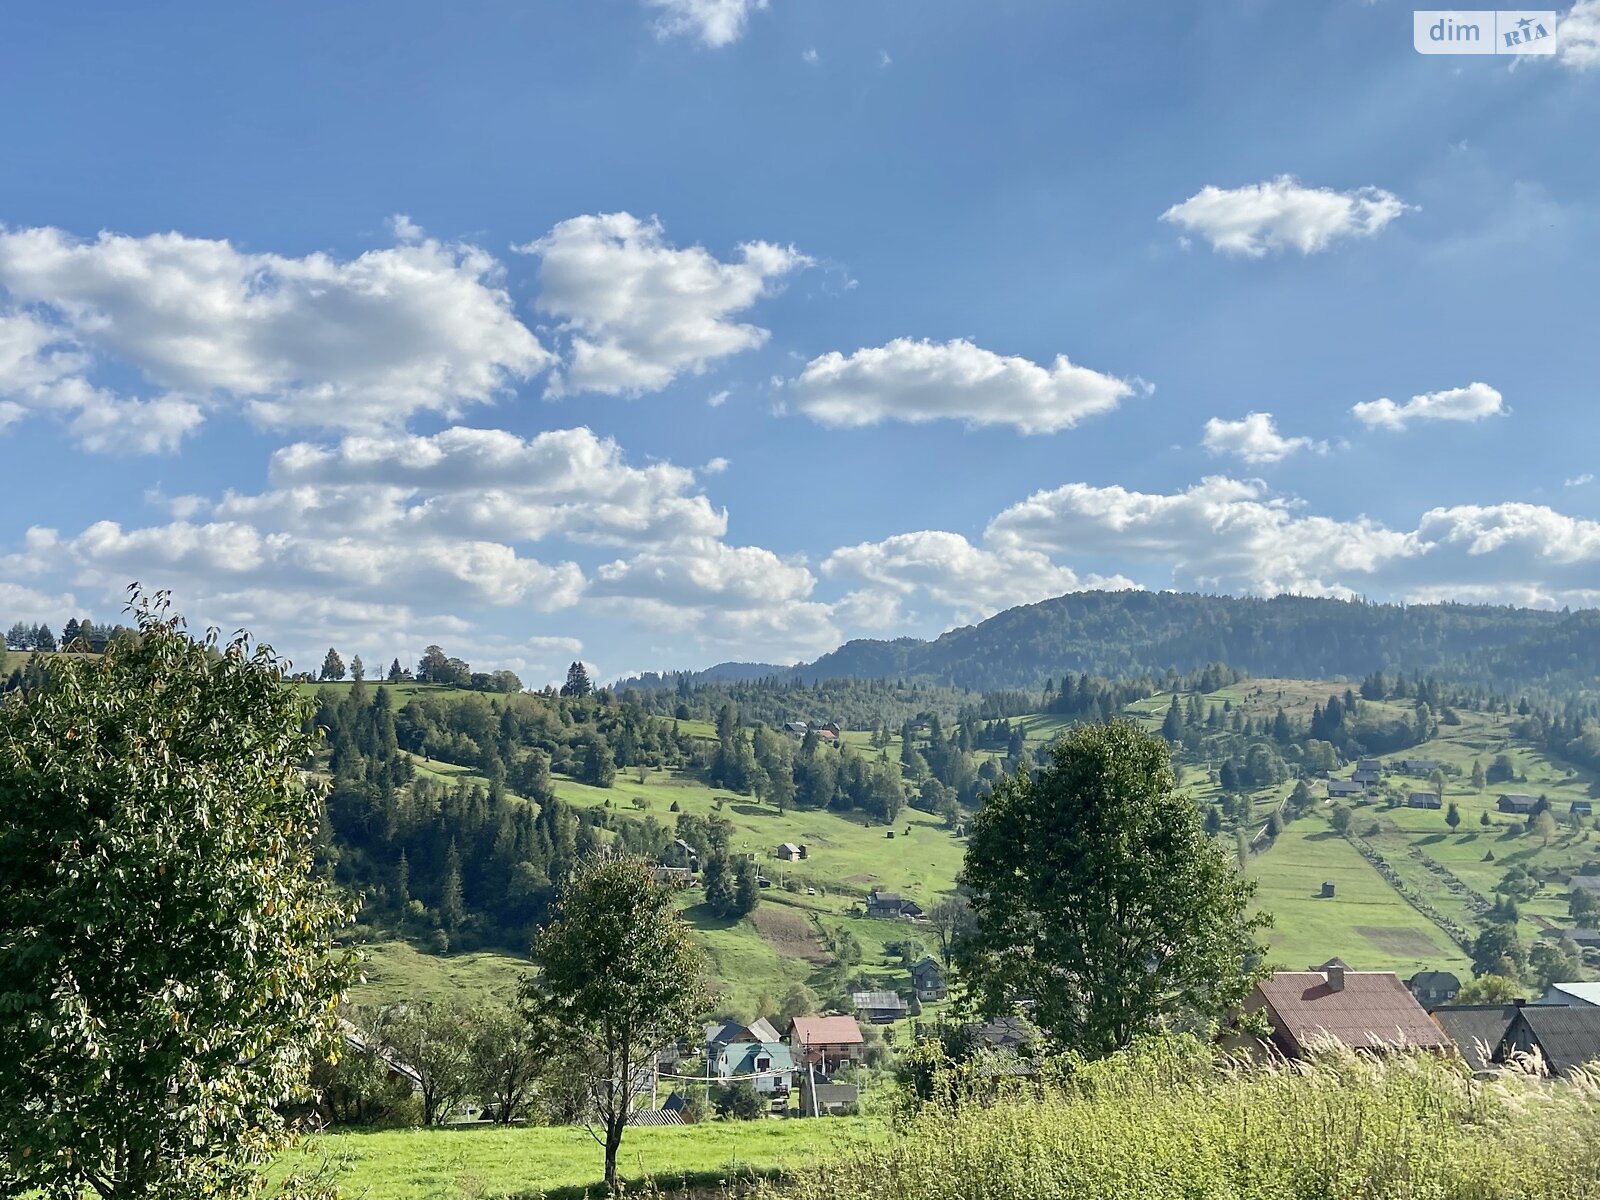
(1446, 879)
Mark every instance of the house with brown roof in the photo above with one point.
(826, 1042)
(1365, 1010)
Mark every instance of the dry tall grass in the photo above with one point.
(1168, 1121)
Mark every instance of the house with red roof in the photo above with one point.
(1364, 1010)
(826, 1043)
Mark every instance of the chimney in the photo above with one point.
(1336, 979)
(1519, 1001)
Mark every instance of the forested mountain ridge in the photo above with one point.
(1131, 633)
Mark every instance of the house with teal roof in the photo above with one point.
(767, 1065)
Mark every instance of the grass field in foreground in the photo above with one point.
(424, 1164)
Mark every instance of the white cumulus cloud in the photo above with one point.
(920, 381)
(1255, 439)
(1283, 214)
(1578, 36)
(291, 341)
(639, 312)
(966, 581)
(1475, 402)
(714, 23)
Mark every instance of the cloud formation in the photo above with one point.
(1578, 36)
(1283, 214)
(313, 341)
(921, 381)
(1255, 439)
(1475, 402)
(1231, 535)
(460, 523)
(966, 582)
(713, 23)
(638, 312)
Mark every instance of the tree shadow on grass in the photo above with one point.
(701, 917)
(753, 810)
(735, 1179)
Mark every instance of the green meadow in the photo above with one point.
(538, 1161)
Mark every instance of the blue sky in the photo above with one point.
(660, 332)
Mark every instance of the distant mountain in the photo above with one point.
(1125, 634)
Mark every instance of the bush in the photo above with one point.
(1166, 1120)
(738, 1101)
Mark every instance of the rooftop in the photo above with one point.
(1569, 1036)
(1476, 1029)
(830, 1031)
(1371, 1011)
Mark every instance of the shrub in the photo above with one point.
(738, 1101)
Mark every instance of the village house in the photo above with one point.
(1584, 883)
(1515, 802)
(681, 854)
(1434, 987)
(1010, 1034)
(891, 904)
(1564, 1036)
(679, 877)
(1580, 808)
(1478, 1031)
(728, 1031)
(1577, 995)
(768, 1066)
(1365, 1010)
(357, 1041)
(927, 979)
(1583, 939)
(1417, 766)
(1424, 800)
(823, 1097)
(797, 727)
(1342, 789)
(790, 852)
(878, 1007)
(826, 1043)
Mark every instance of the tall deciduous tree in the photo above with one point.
(951, 920)
(617, 979)
(165, 981)
(434, 1040)
(505, 1061)
(1096, 893)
